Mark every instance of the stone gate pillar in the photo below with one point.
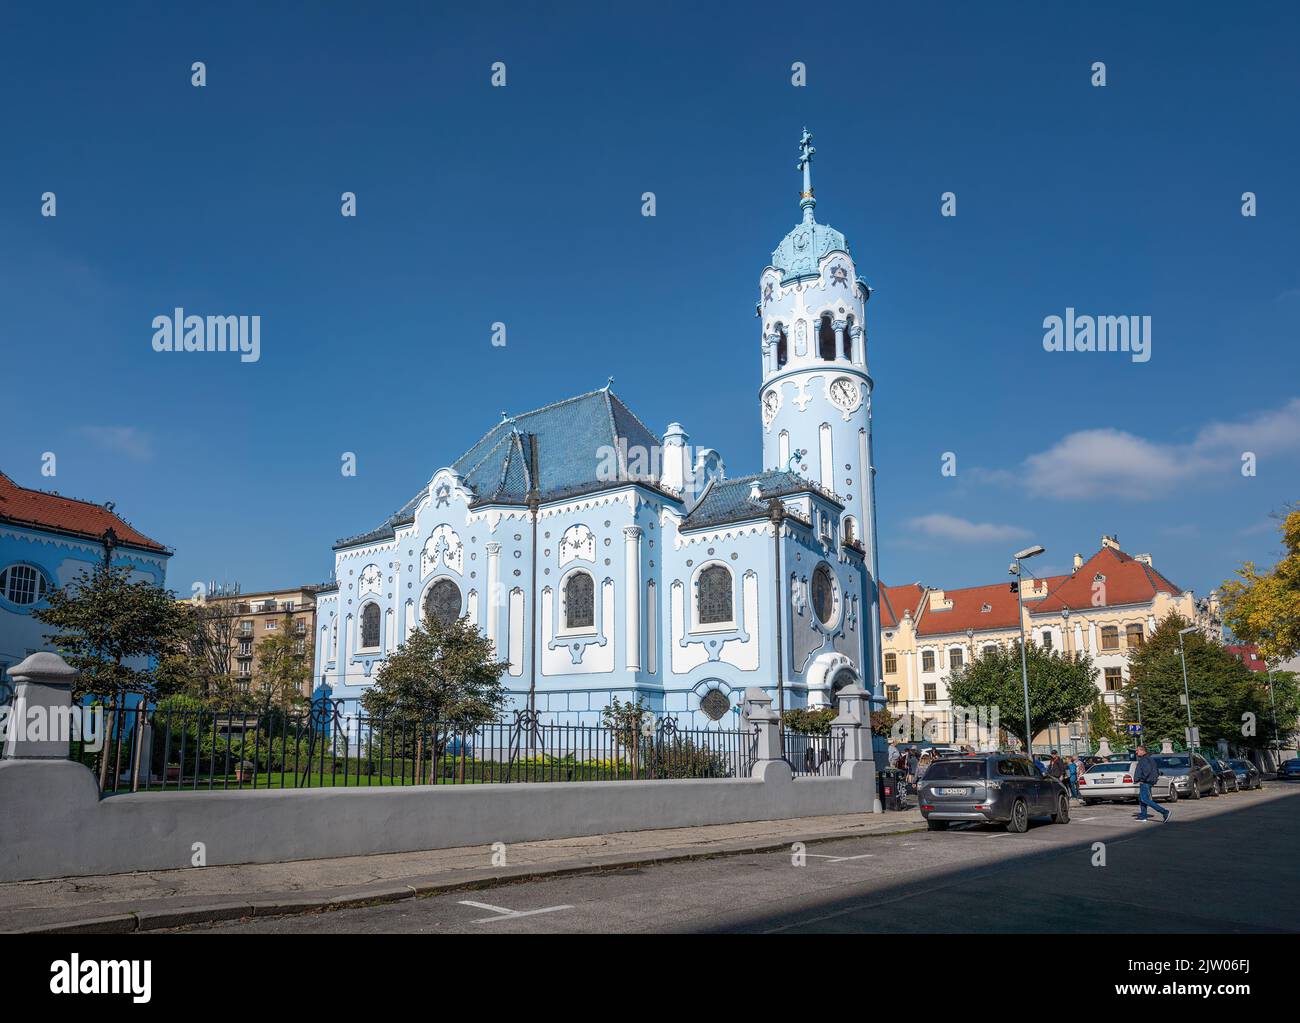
(40, 718)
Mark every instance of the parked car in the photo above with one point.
(1225, 778)
(1289, 769)
(1114, 780)
(991, 788)
(1190, 781)
(1248, 775)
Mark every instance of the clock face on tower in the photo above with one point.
(844, 394)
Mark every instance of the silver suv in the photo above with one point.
(991, 788)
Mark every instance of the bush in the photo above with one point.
(809, 722)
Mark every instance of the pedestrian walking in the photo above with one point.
(1146, 775)
(1073, 767)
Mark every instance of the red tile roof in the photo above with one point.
(894, 600)
(1127, 580)
(38, 509)
(1248, 654)
(968, 608)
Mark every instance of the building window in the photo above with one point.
(927, 660)
(245, 668)
(370, 626)
(715, 704)
(848, 339)
(823, 593)
(442, 601)
(299, 646)
(955, 658)
(1047, 639)
(1114, 680)
(990, 649)
(246, 628)
(713, 595)
(782, 347)
(826, 340)
(22, 585)
(893, 693)
(850, 529)
(245, 648)
(579, 601)
(931, 693)
(270, 625)
(1110, 637)
(891, 664)
(1133, 634)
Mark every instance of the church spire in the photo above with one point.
(806, 199)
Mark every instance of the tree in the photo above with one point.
(1101, 722)
(211, 647)
(1060, 686)
(1264, 607)
(104, 621)
(1221, 687)
(282, 672)
(443, 673)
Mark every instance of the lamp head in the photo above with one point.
(1029, 552)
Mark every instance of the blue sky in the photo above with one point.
(522, 205)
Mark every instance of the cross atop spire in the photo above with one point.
(806, 151)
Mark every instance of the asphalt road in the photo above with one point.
(1223, 865)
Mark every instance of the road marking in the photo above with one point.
(508, 914)
(841, 859)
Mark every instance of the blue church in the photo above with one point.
(603, 560)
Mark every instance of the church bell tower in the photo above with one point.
(816, 393)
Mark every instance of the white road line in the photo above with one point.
(841, 859)
(508, 914)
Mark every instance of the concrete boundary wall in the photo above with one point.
(53, 822)
(56, 825)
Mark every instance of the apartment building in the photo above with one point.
(249, 619)
(1109, 604)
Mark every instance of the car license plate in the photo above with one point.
(953, 792)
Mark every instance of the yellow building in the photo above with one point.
(241, 622)
(1106, 606)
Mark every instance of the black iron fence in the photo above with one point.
(814, 755)
(168, 749)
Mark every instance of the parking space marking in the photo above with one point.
(508, 914)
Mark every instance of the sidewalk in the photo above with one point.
(118, 903)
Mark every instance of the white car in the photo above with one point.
(1116, 781)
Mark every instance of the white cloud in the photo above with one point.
(959, 530)
(1113, 463)
(121, 440)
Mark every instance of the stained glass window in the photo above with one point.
(370, 626)
(579, 601)
(443, 601)
(823, 593)
(714, 704)
(715, 595)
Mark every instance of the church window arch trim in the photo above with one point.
(582, 617)
(714, 598)
(369, 628)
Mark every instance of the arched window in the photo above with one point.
(713, 596)
(826, 339)
(442, 601)
(22, 585)
(823, 593)
(848, 339)
(850, 529)
(370, 626)
(579, 601)
(1110, 637)
(782, 347)
(1133, 634)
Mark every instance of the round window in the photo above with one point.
(823, 593)
(22, 584)
(714, 704)
(443, 601)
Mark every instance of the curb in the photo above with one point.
(286, 905)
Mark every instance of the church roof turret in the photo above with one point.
(800, 253)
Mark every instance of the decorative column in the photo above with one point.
(632, 564)
(839, 326)
(493, 592)
(764, 724)
(42, 689)
(856, 333)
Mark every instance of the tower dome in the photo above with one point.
(800, 253)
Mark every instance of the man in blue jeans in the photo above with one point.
(1146, 775)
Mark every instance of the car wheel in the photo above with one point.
(937, 825)
(1019, 822)
(1219, 787)
(1062, 815)
(1196, 790)
(1173, 795)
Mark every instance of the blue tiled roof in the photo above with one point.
(800, 252)
(730, 501)
(570, 435)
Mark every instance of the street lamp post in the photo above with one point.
(1187, 695)
(1025, 555)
